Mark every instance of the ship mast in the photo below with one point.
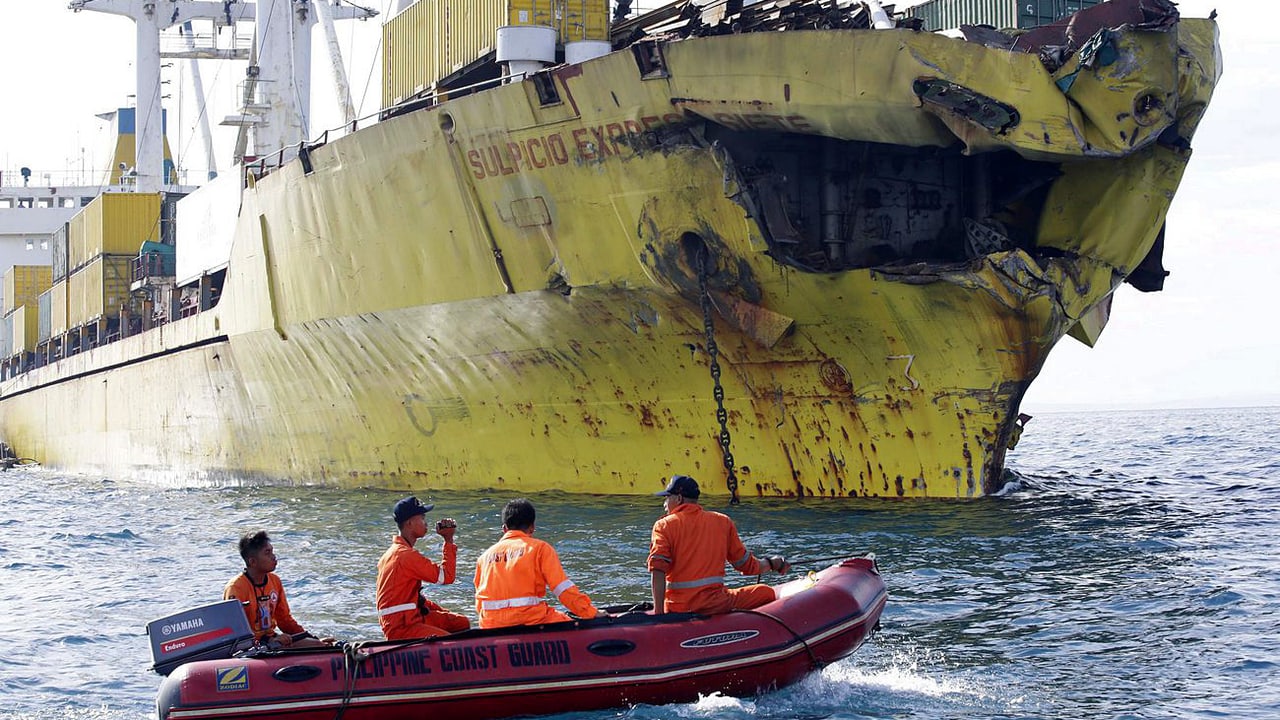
(202, 112)
(150, 17)
(280, 74)
(324, 9)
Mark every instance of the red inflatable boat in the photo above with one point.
(583, 665)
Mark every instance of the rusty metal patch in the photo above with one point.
(988, 112)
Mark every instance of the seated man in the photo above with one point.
(687, 552)
(512, 577)
(403, 612)
(261, 593)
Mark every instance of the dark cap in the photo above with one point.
(681, 485)
(409, 507)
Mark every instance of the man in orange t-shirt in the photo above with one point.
(512, 577)
(403, 612)
(261, 594)
(687, 553)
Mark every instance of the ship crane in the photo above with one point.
(150, 18)
(277, 90)
(278, 109)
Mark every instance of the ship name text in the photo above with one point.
(594, 144)
(449, 658)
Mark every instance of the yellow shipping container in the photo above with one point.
(433, 38)
(584, 20)
(58, 308)
(77, 286)
(25, 329)
(75, 243)
(99, 289)
(24, 283)
(113, 224)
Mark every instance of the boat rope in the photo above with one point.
(352, 655)
(704, 271)
(813, 659)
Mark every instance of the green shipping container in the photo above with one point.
(1022, 14)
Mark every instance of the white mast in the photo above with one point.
(283, 38)
(284, 70)
(343, 88)
(150, 17)
(282, 73)
(206, 133)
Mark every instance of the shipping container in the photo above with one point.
(113, 224)
(6, 337)
(156, 260)
(431, 39)
(1004, 14)
(59, 251)
(44, 311)
(99, 289)
(23, 329)
(584, 20)
(75, 239)
(58, 308)
(24, 283)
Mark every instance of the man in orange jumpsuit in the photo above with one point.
(261, 593)
(403, 612)
(512, 577)
(687, 552)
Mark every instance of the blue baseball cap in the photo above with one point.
(681, 485)
(409, 507)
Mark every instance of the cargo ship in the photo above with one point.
(802, 249)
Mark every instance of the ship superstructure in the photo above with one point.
(820, 262)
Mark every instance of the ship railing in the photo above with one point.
(15, 178)
(206, 46)
(267, 164)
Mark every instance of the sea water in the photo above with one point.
(1134, 572)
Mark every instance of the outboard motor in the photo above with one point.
(209, 632)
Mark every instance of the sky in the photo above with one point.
(1210, 339)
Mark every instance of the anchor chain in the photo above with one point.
(718, 391)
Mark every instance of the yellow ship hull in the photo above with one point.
(503, 290)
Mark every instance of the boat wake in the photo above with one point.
(898, 680)
(1013, 482)
(902, 680)
(906, 681)
(717, 705)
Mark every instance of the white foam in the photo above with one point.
(716, 703)
(910, 675)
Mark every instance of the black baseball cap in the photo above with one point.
(681, 485)
(409, 507)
